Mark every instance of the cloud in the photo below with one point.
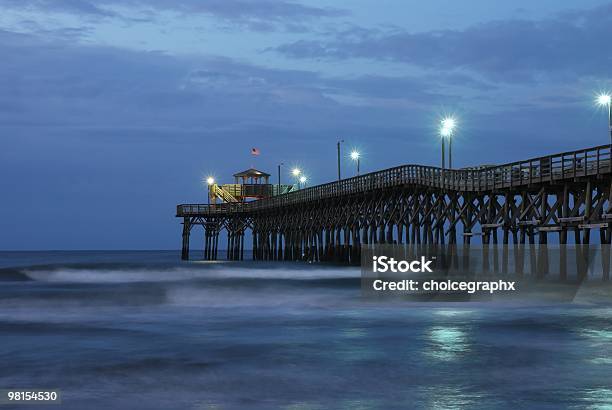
(63, 84)
(67, 84)
(260, 9)
(80, 7)
(59, 84)
(256, 15)
(573, 43)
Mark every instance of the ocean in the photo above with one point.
(142, 330)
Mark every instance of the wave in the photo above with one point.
(219, 271)
(13, 275)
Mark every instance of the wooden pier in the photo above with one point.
(566, 194)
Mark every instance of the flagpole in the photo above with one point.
(279, 179)
(338, 147)
(254, 152)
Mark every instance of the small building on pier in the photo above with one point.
(248, 185)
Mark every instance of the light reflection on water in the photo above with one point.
(447, 342)
(449, 398)
(602, 360)
(597, 336)
(453, 312)
(354, 333)
(598, 399)
(600, 340)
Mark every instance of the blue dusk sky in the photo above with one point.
(112, 111)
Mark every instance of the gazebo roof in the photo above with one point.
(251, 172)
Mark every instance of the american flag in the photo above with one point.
(254, 151)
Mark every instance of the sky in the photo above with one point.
(113, 111)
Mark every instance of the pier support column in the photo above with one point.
(321, 252)
(588, 201)
(186, 231)
(206, 243)
(216, 244)
(254, 250)
(242, 245)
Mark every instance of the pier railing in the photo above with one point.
(542, 170)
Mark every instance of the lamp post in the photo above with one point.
(279, 178)
(446, 131)
(303, 180)
(296, 174)
(210, 181)
(443, 138)
(447, 128)
(338, 146)
(356, 156)
(450, 151)
(605, 100)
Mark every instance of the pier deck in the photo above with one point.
(560, 193)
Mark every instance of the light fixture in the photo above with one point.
(447, 129)
(604, 99)
(448, 126)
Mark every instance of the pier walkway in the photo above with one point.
(561, 193)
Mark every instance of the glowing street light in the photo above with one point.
(449, 123)
(605, 100)
(356, 156)
(447, 129)
(296, 172)
(209, 181)
(303, 180)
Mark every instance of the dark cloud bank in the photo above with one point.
(256, 15)
(575, 43)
